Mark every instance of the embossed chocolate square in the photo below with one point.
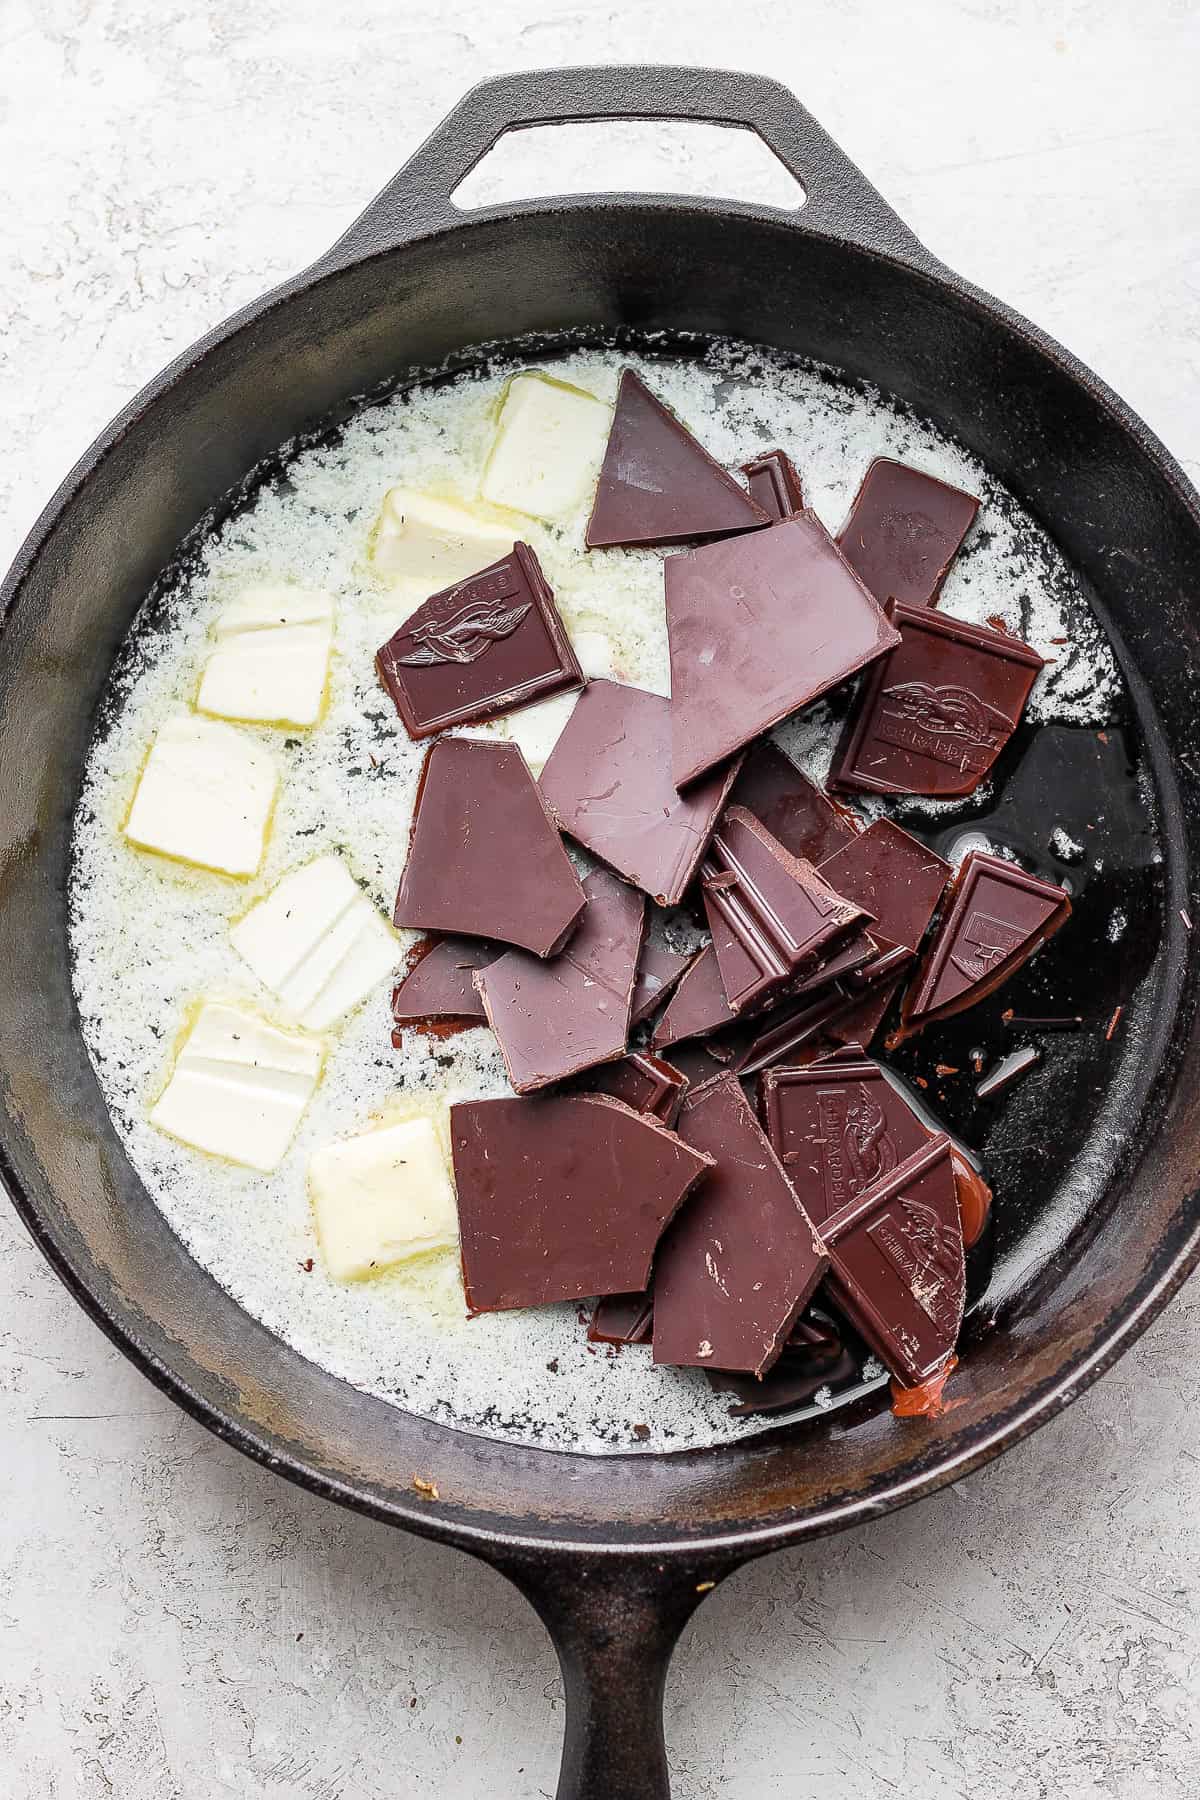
(904, 530)
(934, 714)
(481, 648)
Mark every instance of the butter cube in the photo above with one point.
(205, 796)
(317, 942)
(271, 660)
(433, 542)
(239, 1087)
(382, 1198)
(549, 443)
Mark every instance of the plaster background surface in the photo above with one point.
(175, 1624)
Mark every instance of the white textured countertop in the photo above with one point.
(175, 1624)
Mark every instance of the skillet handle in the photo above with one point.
(614, 1623)
(840, 200)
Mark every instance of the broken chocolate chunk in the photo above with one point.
(934, 715)
(554, 1017)
(622, 1319)
(698, 1005)
(897, 1269)
(743, 1257)
(904, 530)
(562, 1196)
(770, 913)
(657, 484)
(894, 876)
(608, 783)
(439, 985)
(793, 808)
(642, 1081)
(484, 858)
(997, 917)
(481, 648)
(774, 484)
(758, 626)
(658, 973)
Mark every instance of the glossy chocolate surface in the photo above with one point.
(894, 877)
(658, 972)
(759, 626)
(742, 1258)
(774, 484)
(608, 783)
(657, 484)
(563, 1196)
(904, 530)
(793, 808)
(697, 1007)
(935, 714)
(484, 647)
(553, 1017)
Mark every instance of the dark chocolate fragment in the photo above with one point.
(622, 1319)
(759, 626)
(554, 1017)
(893, 876)
(658, 972)
(440, 985)
(657, 484)
(563, 1196)
(934, 715)
(813, 1358)
(608, 783)
(786, 1029)
(742, 1258)
(485, 646)
(698, 1005)
(858, 1023)
(1010, 1068)
(793, 808)
(904, 530)
(897, 1269)
(642, 1081)
(774, 484)
(700, 1060)
(997, 917)
(771, 915)
(484, 858)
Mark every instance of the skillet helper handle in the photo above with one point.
(840, 200)
(614, 1624)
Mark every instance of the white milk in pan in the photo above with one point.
(151, 938)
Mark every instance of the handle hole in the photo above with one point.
(666, 156)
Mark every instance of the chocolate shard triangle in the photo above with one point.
(775, 484)
(793, 808)
(659, 972)
(759, 626)
(743, 1257)
(657, 484)
(698, 1005)
(904, 530)
(555, 1017)
(484, 857)
(440, 985)
(562, 1196)
(997, 917)
(897, 1267)
(898, 879)
(771, 915)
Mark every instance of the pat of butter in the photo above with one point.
(538, 728)
(205, 796)
(317, 942)
(548, 446)
(271, 659)
(435, 542)
(382, 1198)
(239, 1087)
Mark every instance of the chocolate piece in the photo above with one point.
(553, 1018)
(485, 646)
(657, 484)
(770, 914)
(484, 857)
(904, 531)
(934, 715)
(658, 972)
(897, 1268)
(697, 1006)
(858, 1023)
(997, 917)
(642, 1081)
(893, 876)
(563, 1196)
(622, 1319)
(608, 782)
(785, 1029)
(439, 984)
(774, 484)
(1010, 1068)
(759, 626)
(793, 808)
(742, 1258)
(699, 1061)
(813, 1358)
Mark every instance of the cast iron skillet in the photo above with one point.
(613, 1555)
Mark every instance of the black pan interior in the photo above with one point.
(1104, 1120)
